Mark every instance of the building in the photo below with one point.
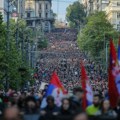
(100, 5)
(113, 13)
(38, 13)
(88, 4)
(95, 5)
(4, 9)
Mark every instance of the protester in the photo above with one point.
(76, 100)
(81, 116)
(51, 108)
(94, 108)
(66, 107)
(117, 109)
(31, 106)
(106, 110)
(12, 113)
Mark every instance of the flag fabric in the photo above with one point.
(119, 51)
(55, 89)
(112, 76)
(88, 93)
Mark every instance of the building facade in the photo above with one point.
(113, 13)
(4, 9)
(39, 13)
(95, 5)
(88, 4)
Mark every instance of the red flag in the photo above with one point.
(112, 89)
(56, 81)
(83, 81)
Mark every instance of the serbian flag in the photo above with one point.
(55, 89)
(113, 72)
(119, 52)
(88, 93)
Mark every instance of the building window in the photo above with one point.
(118, 15)
(118, 3)
(46, 6)
(46, 15)
(118, 27)
(28, 15)
(40, 7)
(29, 23)
(40, 15)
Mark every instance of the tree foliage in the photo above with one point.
(96, 34)
(75, 14)
(11, 61)
(42, 43)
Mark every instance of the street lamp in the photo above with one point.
(9, 3)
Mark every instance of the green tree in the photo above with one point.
(11, 61)
(3, 63)
(96, 34)
(42, 43)
(75, 14)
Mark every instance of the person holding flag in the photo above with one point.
(88, 93)
(90, 104)
(113, 76)
(55, 89)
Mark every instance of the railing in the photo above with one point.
(38, 18)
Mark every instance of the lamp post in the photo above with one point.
(106, 56)
(9, 3)
(8, 17)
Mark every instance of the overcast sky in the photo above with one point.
(60, 7)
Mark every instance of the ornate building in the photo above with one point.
(95, 5)
(38, 13)
(113, 13)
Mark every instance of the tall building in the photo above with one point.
(95, 5)
(113, 13)
(88, 4)
(4, 9)
(100, 5)
(39, 13)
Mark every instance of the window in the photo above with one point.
(118, 3)
(46, 15)
(29, 23)
(118, 27)
(40, 7)
(40, 15)
(118, 15)
(28, 15)
(46, 6)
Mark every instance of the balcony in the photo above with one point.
(115, 8)
(29, 9)
(39, 18)
(110, 9)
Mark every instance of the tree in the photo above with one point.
(96, 34)
(75, 14)
(11, 61)
(3, 63)
(42, 43)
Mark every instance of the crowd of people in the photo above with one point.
(63, 56)
(25, 105)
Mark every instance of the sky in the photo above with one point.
(59, 7)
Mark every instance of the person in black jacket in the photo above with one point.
(50, 110)
(66, 107)
(117, 109)
(66, 113)
(76, 100)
